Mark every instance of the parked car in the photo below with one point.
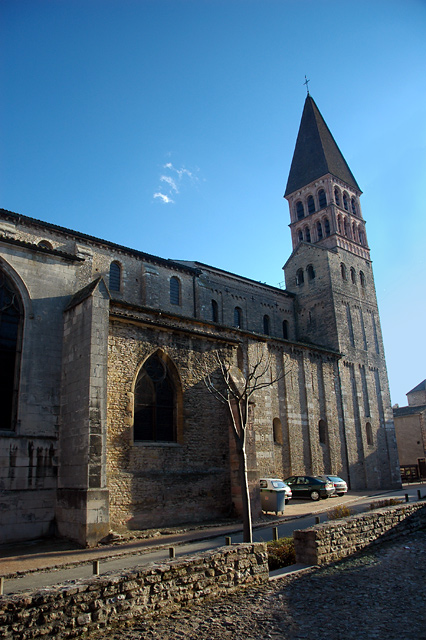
(340, 486)
(276, 483)
(313, 487)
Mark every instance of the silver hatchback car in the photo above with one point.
(340, 486)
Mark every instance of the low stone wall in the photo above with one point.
(70, 610)
(331, 541)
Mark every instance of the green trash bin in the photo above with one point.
(272, 495)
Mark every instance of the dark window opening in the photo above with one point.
(114, 276)
(311, 204)
(353, 205)
(327, 226)
(285, 329)
(11, 318)
(45, 244)
(300, 210)
(319, 230)
(353, 277)
(300, 236)
(300, 279)
(154, 415)
(337, 197)
(322, 199)
(369, 434)
(238, 317)
(215, 311)
(345, 202)
(362, 279)
(174, 290)
(307, 234)
(343, 271)
(311, 272)
(266, 325)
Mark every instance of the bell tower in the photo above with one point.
(330, 273)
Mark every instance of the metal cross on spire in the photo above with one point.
(306, 83)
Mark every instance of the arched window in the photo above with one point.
(345, 202)
(11, 319)
(361, 237)
(354, 231)
(45, 244)
(300, 277)
(115, 276)
(339, 224)
(362, 279)
(322, 431)
(155, 403)
(311, 204)
(307, 234)
(311, 272)
(343, 271)
(369, 434)
(353, 276)
(319, 230)
(345, 227)
(353, 205)
(215, 311)
(327, 226)
(238, 318)
(337, 196)
(174, 290)
(285, 329)
(300, 212)
(278, 431)
(322, 199)
(300, 235)
(266, 325)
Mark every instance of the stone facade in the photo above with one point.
(410, 429)
(101, 342)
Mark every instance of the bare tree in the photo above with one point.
(236, 390)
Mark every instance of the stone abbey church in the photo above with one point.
(106, 421)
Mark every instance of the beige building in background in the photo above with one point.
(107, 422)
(410, 428)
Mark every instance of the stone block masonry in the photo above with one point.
(72, 610)
(331, 541)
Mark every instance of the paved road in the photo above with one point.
(42, 568)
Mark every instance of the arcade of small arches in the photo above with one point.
(312, 203)
(353, 275)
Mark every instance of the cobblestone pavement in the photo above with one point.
(380, 594)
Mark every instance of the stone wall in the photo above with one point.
(100, 602)
(331, 541)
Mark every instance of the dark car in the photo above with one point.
(313, 487)
(340, 486)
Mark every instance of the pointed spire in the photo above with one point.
(316, 152)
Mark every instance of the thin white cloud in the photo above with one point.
(170, 182)
(164, 198)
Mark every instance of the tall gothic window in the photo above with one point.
(174, 290)
(215, 311)
(327, 226)
(300, 212)
(311, 204)
(266, 325)
(155, 403)
(285, 329)
(114, 276)
(322, 199)
(238, 317)
(11, 317)
(337, 197)
(319, 230)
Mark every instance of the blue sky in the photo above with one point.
(169, 126)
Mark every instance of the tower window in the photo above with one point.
(322, 431)
(337, 196)
(362, 279)
(345, 202)
(369, 434)
(319, 230)
(238, 317)
(285, 329)
(353, 205)
(327, 226)
(345, 227)
(311, 272)
(354, 234)
(174, 290)
(115, 276)
(307, 234)
(343, 271)
(215, 311)
(266, 325)
(11, 318)
(322, 199)
(353, 277)
(300, 277)
(154, 412)
(361, 237)
(311, 204)
(339, 224)
(300, 210)
(300, 236)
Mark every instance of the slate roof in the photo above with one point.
(316, 153)
(420, 387)
(409, 411)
